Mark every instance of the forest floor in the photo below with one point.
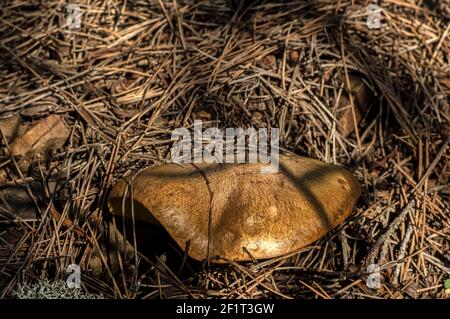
(102, 96)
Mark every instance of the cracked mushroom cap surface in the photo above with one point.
(270, 214)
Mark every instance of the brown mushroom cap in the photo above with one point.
(270, 214)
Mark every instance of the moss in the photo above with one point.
(46, 289)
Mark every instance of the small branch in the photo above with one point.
(382, 241)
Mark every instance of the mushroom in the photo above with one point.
(236, 211)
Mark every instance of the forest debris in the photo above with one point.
(47, 135)
(40, 108)
(294, 57)
(110, 247)
(267, 61)
(66, 222)
(12, 127)
(362, 98)
(203, 116)
(382, 242)
(405, 62)
(18, 203)
(268, 214)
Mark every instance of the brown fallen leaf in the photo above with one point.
(269, 214)
(362, 98)
(17, 203)
(110, 244)
(12, 127)
(47, 135)
(3, 176)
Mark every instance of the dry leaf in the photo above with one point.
(111, 245)
(16, 202)
(49, 134)
(12, 127)
(362, 97)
